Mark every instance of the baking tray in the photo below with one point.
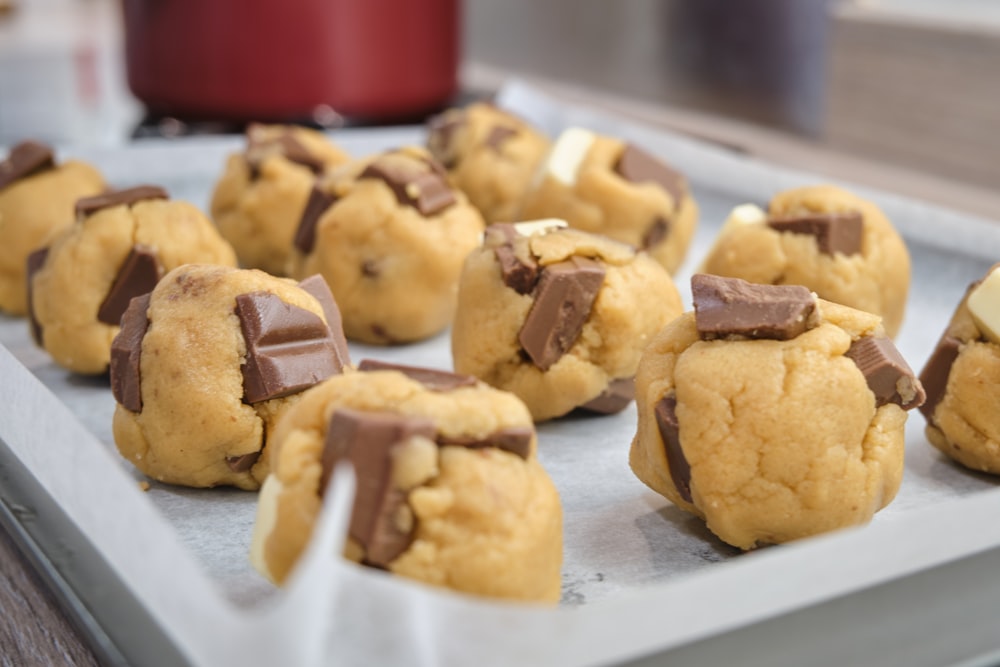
(162, 577)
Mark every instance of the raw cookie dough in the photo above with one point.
(838, 245)
(260, 197)
(491, 155)
(36, 202)
(771, 414)
(207, 363)
(450, 490)
(120, 245)
(962, 379)
(606, 186)
(389, 234)
(558, 316)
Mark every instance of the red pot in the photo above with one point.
(281, 59)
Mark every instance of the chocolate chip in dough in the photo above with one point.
(126, 352)
(89, 205)
(138, 275)
(25, 159)
(834, 232)
(886, 372)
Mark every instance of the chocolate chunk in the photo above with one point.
(243, 462)
(934, 377)
(317, 287)
(317, 204)
(138, 275)
(518, 273)
(366, 440)
(441, 137)
(566, 294)
(90, 205)
(834, 232)
(513, 439)
(126, 350)
(414, 182)
(730, 306)
(656, 233)
(887, 373)
(25, 159)
(36, 260)
(637, 166)
(666, 421)
(498, 135)
(288, 348)
(260, 146)
(431, 378)
(615, 397)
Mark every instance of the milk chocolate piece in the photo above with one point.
(441, 136)
(730, 306)
(366, 440)
(317, 287)
(36, 260)
(566, 294)
(520, 274)
(637, 166)
(656, 233)
(288, 348)
(433, 379)
(498, 135)
(934, 377)
(317, 204)
(415, 183)
(887, 373)
(666, 420)
(90, 205)
(615, 397)
(126, 351)
(138, 275)
(834, 232)
(243, 462)
(25, 159)
(513, 439)
(260, 146)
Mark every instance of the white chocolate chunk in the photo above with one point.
(414, 462)
(984, 306)
(267, 517)
(745, 214)
(568, 153)
(540, 227)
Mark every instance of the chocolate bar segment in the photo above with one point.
(126, 352)
(637, 166)
(565, 297)
(25, 159)
(615, 397)
(834, 232)
(666, 421)
(656, 233)
(260, 146)
(366, 440)
(733, 307)
(90, 205)
(934, 377)
(138, 275)
(498, 135)
(35, 262)
(415, 183)
(317, 204)
(441, 131)
(520, 273)
(433, 379)
(288, 348)
(243, 462)
(513, 439)
(316, 286)
(887, 373)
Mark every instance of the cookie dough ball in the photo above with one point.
(36, 202)
(260, 197)
(838, 245)
(962, 379)
(606, 186)
(559, 317)
(771, 414)
(389, 234)
(490, 154)
(121, 244)
(207, 363)
(450, 491)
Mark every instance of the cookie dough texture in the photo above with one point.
(390, 239)
(259, 199)
(32, 211)
(485, 521)
(595, 197)
(194, 427)
(491, 155)
(876, 279)
(783, 437)
(636, 299)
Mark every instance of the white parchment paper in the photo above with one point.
(629, 555)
